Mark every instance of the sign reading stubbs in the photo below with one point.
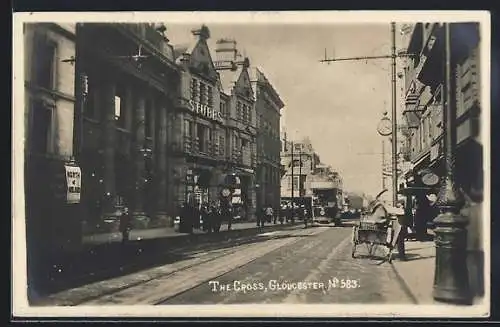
(73, 182)
(205, 110)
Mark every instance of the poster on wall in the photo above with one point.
(73, 184)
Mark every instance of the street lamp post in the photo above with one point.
(450, 274)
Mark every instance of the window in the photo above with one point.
(295, 182)
(203, 93)
(249, 114)
(41, 131)
(244, 143)
(194, 89)
(200, 130)
(238, 110)
(222, 145)
(148, 119)
(210, 96)
(187, 128)
(296, 163)
(46, 58)
(223, 108)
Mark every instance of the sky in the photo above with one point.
(337, 105)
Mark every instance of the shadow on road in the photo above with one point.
(96, 266)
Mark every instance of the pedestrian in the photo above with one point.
(261, 213)
(125, 224)
(403, 222)
(205, 217)
(302, 215)
(186, 214)
(269, 213)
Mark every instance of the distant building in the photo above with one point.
(299, 160)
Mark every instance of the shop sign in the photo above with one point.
(429, 178)
(205, 110)
(73, 182)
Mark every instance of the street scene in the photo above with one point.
(209, 163)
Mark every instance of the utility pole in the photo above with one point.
(383, 164)
(300, 172)
(394, 118)
(393, 57)
(291, 164)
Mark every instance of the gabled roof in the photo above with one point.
(258, 77)
(228, 79)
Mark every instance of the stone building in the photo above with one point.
(49, 75)
(131, 89)
(424, 113)
(299, 160)
(424, 101)
(214, 126)
(241, 121)
(268, 105)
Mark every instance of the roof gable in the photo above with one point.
(200, 60)
(243, 86)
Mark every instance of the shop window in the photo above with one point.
(41, 131)
(46, 52)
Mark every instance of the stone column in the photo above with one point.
(161, 166)
(109, 143)
(139, 158)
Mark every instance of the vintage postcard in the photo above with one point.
(251, 164)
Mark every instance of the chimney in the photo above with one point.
(226, 51)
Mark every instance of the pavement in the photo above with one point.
(417, 272)
(163, 232)
(104, 256)
(292, 266)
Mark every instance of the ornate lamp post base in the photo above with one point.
(451, 281)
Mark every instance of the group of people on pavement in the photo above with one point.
(287, 213)
(205, 216)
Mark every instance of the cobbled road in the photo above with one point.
(294, 266)
(318, 268)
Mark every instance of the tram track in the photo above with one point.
(160, 289)
(200, 254)
(138, 256)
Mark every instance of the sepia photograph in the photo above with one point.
(251, 164)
